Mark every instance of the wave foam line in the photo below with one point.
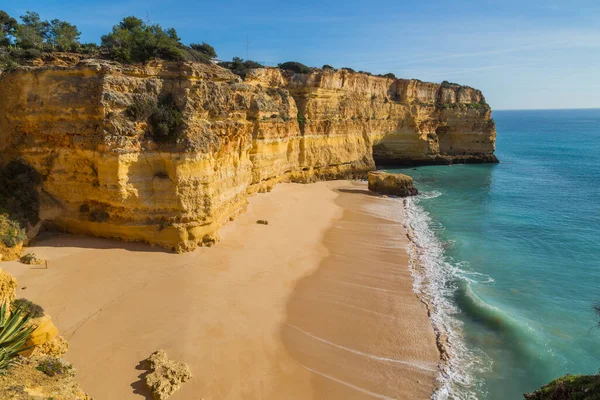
(371, 356)
(434, 283)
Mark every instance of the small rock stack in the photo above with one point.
(394, 184)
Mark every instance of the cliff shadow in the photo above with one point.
(56, 238)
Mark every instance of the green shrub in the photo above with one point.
(163, 116)
(11, 231)
(142, 107)
(26, 54)
(348, 69)
(14, 331)
(205, 49)
(165, 120)
(189, 54)
(240, 67)
(55, 366)
(88, 48)
(295, 67)
(569, 387)
(301, 120)
(132, 40)
(390, 75)
(326, 66)
(446, 84)
(28, 307)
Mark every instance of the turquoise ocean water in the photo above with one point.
(511, 255)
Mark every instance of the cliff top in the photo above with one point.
(263, 75)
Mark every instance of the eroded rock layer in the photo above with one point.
(104, 175)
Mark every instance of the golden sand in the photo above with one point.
(318, 304)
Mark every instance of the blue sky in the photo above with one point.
(523, 54)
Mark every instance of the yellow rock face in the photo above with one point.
(8, 287)
(44, 333)
(104, 177)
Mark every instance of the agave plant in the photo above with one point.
(14, 331)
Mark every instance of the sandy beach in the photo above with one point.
(318, 304)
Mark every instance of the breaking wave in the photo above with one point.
(437, 280)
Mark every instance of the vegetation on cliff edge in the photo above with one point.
(571, 387)
(239, 66)
(130, 41)
(294, 66)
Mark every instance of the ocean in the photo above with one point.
(509, 255)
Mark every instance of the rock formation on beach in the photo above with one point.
(394, 184)
(165, 376)
(167, 152)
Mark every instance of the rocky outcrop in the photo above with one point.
(581, 387)
(8, 287)
(39, 372)
(104, 175)
(165, 376)
(41, 378)
(394, 184)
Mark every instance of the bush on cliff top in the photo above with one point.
(295, 67)
(205, 49)
(132, 40)
(240, 67)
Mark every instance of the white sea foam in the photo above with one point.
(435, 281)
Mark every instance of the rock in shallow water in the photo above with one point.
(395, 184)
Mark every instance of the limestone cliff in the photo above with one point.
(102, 174)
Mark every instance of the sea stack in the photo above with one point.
(394, 184)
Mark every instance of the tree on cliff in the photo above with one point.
(63, 35)
(8, 28)
(204, 48)
(30, 34)
(33, 33)
(132, 40)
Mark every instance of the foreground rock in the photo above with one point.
(165, 376)
(8, 287)
(569, 387)
(43, 378)
(40, 372)
(394, 184)
(86, 127)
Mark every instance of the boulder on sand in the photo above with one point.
(165, 376)
(394, 184)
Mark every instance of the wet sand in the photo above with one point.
(316, 305)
